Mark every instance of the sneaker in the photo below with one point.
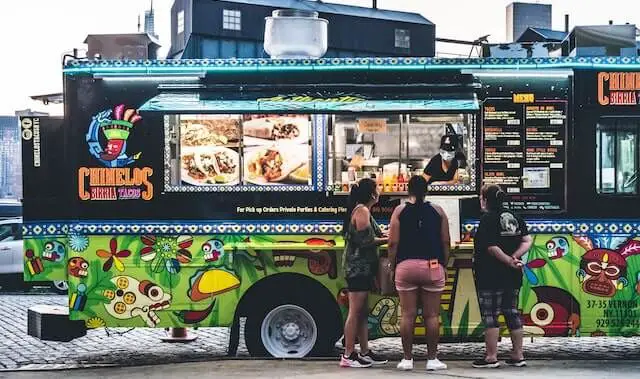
(405, 365)
(372, 358)
(353, 361)
(516, 362)
(435, 364)
(482, 363)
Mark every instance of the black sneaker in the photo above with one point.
(482, 363)
(373, 358)
(353, 360)
(516, 362)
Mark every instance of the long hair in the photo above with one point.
(418, 187)
(494, 195)
(361, 193)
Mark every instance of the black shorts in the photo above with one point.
(494, 302)
(360, 284)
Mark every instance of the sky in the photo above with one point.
(36, 33)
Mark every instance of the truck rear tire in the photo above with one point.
(292, 328)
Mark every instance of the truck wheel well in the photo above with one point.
(278, 288)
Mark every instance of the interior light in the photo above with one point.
(182, 77)
(520, 73)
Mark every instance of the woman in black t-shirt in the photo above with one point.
(501, 240)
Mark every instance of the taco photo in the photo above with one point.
(210, 165)
(274, 164)
(200, 130)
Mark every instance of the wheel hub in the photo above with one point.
(290, 331)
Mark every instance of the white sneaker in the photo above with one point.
(435, 364)
(405, 364)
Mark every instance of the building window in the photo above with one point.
(180, 22)
(403, 39)
(617, 156)
(231, 20)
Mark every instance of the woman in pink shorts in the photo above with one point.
(418, 251)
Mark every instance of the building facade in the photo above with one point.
(10, 162)
(235, 28)
(521, 16)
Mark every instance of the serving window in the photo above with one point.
(390, 148)
(256, 152)
(617, 156)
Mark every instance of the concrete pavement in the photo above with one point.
(143, 347)
(324, 370)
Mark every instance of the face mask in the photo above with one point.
(447, 155)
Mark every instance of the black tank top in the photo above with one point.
(420, 233)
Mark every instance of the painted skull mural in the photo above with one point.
(78, 267)
(603, 271)
(133, 298)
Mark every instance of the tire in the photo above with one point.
(308, 329)
(60, 286)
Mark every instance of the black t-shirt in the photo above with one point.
(504, 229)
(434, 169)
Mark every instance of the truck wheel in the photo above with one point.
(60, 286)
(290, 329)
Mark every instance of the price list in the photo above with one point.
(524, 152)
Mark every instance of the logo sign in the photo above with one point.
(523, 98)
(30, 129)
(618, 88)
(116, 180)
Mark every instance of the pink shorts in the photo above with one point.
(414, 273)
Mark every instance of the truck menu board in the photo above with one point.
(525, 153)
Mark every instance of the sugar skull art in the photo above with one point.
(133, 298)
(213, 250)
(557, 247)
(603, 271)
(78, 267)
(54, 251)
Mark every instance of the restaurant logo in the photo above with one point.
(618, 88)
(115, 181)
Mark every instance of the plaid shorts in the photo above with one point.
(494, 302)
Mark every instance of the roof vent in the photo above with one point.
(291, 33)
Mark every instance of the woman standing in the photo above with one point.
(418, 251)
(502, 238)
(362, 238)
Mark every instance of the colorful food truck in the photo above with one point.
(193, 193)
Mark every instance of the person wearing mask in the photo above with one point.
(501, 240)
(418, 252)
(443, 168)
(360, 263)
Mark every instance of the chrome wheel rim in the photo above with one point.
(289, 331)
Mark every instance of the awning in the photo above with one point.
(204, 102)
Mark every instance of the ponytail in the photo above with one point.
(418, 188)
(361, 193)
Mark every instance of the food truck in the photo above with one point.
(194, 193)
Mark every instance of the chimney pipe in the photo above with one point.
(375, 4)
(566, 23)
(610, 22)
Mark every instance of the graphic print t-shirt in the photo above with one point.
(505, 230)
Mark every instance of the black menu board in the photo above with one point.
(524, 151)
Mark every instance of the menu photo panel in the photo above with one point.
(524, 151)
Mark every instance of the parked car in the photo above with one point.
(11, 263)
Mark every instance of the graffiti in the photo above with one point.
(133, 298)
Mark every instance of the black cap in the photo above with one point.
(449, 142)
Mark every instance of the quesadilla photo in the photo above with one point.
(276, 129)
(201, 131)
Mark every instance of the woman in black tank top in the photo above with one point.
(418, 252)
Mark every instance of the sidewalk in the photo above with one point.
(325, 370)
(143, 347)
